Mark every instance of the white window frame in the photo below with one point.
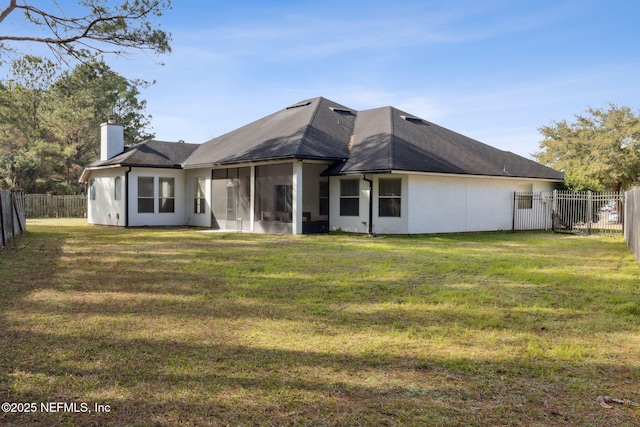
(166, 194)
(349, 196)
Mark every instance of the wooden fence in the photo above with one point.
(48, 206)
(12, 218)
(632, 221)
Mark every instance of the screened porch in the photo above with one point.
(273, 198)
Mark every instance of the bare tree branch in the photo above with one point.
(126, 26)
(10, 8)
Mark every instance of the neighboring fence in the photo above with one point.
(569, 212)
(48, 206)
(12, 217)
(632, 221)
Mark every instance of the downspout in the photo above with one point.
(364, 178)
(126, 197)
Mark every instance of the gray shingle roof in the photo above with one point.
(313, 129)
(378, 140)
(151, 153)
(387, 139)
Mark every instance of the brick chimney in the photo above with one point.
(111, 138)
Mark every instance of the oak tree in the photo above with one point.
(601, 147)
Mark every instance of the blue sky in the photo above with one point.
(494, 70)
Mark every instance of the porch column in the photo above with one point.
(252, 198)
(297, 197)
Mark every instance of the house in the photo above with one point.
(314, 166)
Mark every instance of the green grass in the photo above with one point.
(173, 327)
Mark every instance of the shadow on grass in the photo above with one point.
(147, 321)
(146, 381)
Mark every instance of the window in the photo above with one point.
(350, 197)
(524, 200)
(199, 200)
(166, 197)
(324, 197)
(92, 189)
(389, 197)
(118, 188)
(524, 196)
(145, 194)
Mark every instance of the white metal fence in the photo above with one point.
(569, 212)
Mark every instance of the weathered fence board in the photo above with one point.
(632, 221)
(50, 206)
(12, 218)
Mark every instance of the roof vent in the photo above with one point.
(302, 104)
(411, 119)
(341, 110)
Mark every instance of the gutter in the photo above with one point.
(364, 178)
(126, 197)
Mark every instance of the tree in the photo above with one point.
(95, 27)
(601, 148)
(50, 121)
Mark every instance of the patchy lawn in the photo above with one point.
(169, 327)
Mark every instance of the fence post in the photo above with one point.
(589, 211)
(2, 239)
(554, 209)
(513, 211)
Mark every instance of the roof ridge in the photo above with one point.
(392, 138)
(309, 125)
(131, 151)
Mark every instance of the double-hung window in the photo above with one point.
(389, 197)
(350, 197)
(323, 201)
(166, 195)
(145, 194)
(199, 200)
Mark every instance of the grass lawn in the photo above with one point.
(177, 327)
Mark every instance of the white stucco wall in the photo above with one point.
(436, 204)
(156, 218)
(352, 224)
(105, 210)
(442, 204)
